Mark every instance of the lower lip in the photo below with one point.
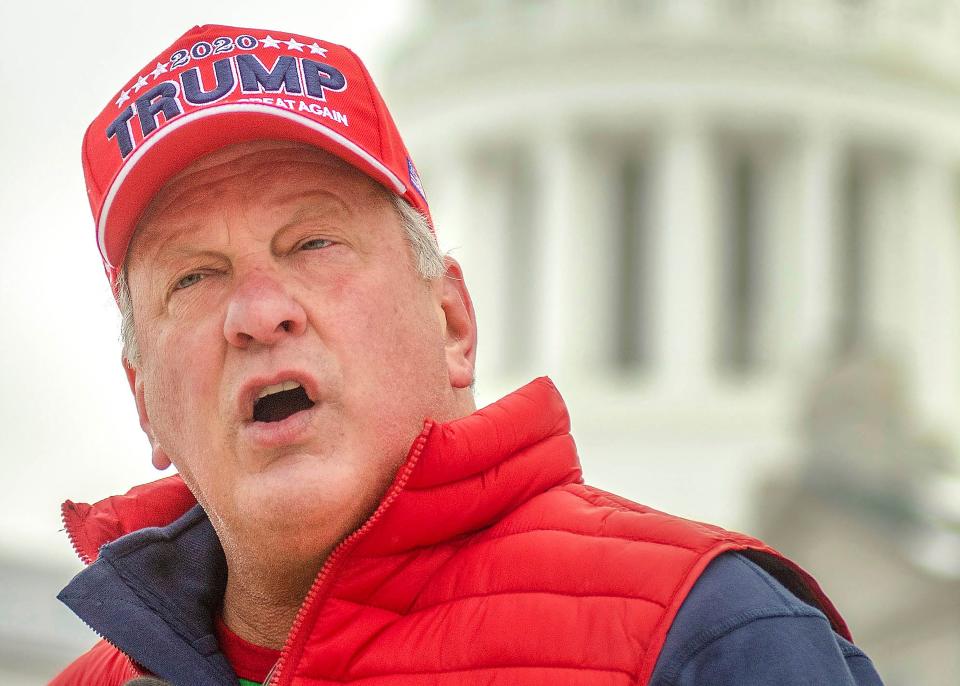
(290, 431)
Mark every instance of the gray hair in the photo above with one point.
(429, 262)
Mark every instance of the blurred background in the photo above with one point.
(729, 230)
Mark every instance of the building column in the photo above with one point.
(686, 262)
(477, 191)
(817, 295)
(556, 171)
(934, 255)
(775, 190)
(577, 239)
(690, 15)
(447, 182)
(887, 242)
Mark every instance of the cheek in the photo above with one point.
(393, 319)
(183, 382)
(394, 346)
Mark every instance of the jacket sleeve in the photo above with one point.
(788, 651)
(740, 627)
(102, 665)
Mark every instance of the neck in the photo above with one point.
(262, 600)
(264, 592)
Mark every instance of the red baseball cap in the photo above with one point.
(218, 85)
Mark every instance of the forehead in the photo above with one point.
(257, 176)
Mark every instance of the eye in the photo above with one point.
(188, 281)
(315, 244)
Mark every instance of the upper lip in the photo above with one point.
(252, 387)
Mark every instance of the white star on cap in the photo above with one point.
(317, 50)
(271, 42)
(124, 96)
(161, 69)
(141, 82)
(292, 44)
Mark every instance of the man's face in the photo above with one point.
(269, 265)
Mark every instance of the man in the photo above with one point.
(299, 349)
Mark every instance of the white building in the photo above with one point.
(682, 209)
(688, 211)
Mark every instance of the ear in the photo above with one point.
(461, 325)
(160, 458)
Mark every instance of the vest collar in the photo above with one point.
(458, 477)
(462, 476)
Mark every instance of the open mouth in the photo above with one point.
(279, 401)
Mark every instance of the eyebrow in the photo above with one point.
(308, 201)
(169, 257)
(165, 234)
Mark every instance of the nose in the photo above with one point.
(261, 311)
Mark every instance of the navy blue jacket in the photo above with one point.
(739, 626)
(154, 593)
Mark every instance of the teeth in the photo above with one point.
(277, 388)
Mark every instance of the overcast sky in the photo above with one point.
(68, 427)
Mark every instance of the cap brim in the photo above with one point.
(189, 136)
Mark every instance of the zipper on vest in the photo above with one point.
(84, 558)
(87, 561)
(320, 585)
(134, 670)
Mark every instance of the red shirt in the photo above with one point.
(249, 661)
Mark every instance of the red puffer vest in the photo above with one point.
(487, 562)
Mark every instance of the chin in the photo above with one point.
(306, 501)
